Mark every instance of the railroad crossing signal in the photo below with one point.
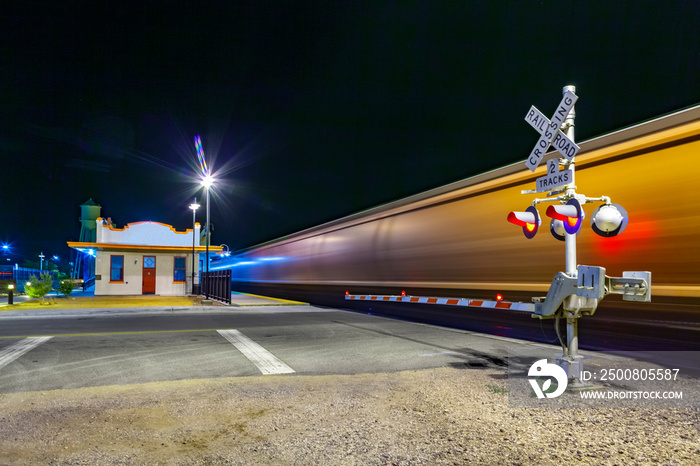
(549, 132)
(607, 220)
(577, 291)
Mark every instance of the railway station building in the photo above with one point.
(144, 258)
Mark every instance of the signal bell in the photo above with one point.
(609, 220)
(529, 220)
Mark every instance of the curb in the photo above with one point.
(109, 312)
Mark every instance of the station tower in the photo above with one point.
(84, 263)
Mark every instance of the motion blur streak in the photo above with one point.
(456, 237)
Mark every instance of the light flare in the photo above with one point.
(200, 154)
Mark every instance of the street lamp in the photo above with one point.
(41, 264)
(194, 206)
(207, 182)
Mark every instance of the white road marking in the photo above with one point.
(14, 351)
(265, 361)
(438, 354)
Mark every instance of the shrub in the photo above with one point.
(36, 288)
(66, 286)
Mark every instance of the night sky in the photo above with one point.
(308, 111)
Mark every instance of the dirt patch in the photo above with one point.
(438, 416)
(99, 302)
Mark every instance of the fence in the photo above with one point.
(217, 285)
(90, 282)
(20, 275)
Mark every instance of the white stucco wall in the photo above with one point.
(133, 274)
(145, 233)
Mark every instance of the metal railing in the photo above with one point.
(217, 285)
(90, 282)
(20, 275)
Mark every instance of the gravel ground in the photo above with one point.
(438, 416)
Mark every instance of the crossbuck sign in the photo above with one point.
(550, 133)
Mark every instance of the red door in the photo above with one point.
(149, 275)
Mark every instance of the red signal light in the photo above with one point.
(528, 220)
(347, 293)
(570, 214)
(499, 297)
(403, 293)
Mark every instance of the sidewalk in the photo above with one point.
(89, 304)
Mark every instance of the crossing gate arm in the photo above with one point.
(577, 295)
(462, 302)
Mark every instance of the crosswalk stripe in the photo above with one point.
(14, 351)
(265, 361)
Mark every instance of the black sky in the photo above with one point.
(308, 111)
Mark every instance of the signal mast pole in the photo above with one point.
(568, 128)
(571, 356)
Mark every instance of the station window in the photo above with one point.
(179, 272)
(116, 268)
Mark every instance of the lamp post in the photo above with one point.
(194, 206)
(41, 264)
(207, 182)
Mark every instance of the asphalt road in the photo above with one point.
(617, 325)
(81, 349)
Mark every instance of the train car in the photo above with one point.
(455, 240)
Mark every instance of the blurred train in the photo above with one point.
(455, 240)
